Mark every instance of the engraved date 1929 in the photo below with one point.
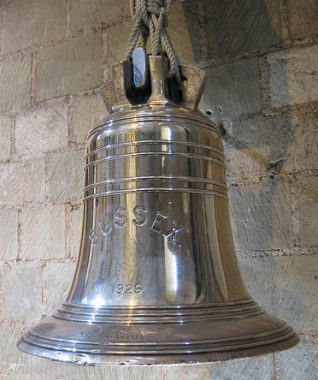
(127, 288)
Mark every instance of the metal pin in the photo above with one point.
(140, 68)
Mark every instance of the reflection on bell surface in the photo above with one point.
(157, 279)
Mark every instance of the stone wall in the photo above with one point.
(262, 62)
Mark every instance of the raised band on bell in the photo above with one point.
(157, 279)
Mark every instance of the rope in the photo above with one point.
(150, 19)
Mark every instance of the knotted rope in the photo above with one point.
(151, 19)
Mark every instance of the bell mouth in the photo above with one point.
(201, 336)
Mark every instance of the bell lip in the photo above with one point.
(189, 359)
(191, 342)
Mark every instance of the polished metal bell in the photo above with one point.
(157, 279)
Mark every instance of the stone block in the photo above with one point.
(15, 82)
(235, 27)
(42, 130)
(247, 165)
(69, 67)
(116, 45)
(244, 369)
(300, 362)
(85, 14)
(21, 292)
(129, 372)
(8, 234)
(303, 146)
(272, 144)
(259, 131)
(285, 286)
(293, 76)
(22, 183)
(261, 217)
(74, 230)
(57, 282)
(66, 176)
(88, 112)
(42, 232)
(193, 372)
(11, 358)
(35, 368)
(5, 138)
(32, 22)
(232, 89)
(302, 18)
(306, 187)
(2, 11)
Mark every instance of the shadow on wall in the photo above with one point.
(239, 26)
(238, 98)
(264, 99)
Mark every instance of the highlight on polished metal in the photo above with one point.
(157, 279)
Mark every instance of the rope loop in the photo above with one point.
(150, 19)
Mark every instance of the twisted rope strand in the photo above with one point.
(150, 20)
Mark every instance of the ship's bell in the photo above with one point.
(157, 280)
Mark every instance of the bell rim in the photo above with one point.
(79, 358)
(191, 342)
